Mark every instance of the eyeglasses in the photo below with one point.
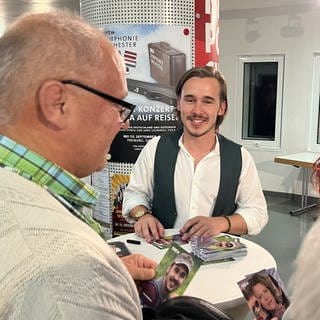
(126, 107)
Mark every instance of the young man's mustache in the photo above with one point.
(195, 117)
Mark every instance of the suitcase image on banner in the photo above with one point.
(167, 64)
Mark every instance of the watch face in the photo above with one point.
(140, 214)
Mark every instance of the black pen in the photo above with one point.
(133, 241)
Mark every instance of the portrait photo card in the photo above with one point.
(173, 275)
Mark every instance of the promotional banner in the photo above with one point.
(206, 27)
(101, 212)
(157, 50)
(156, 56)
(119, 223)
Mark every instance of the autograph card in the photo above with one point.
(173, 275)
(165, 242)
(265, 294)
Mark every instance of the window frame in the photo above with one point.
(260, 143)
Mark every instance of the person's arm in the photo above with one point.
(211, 226)
(250, 215)
(139, 191)
(138, 195)
(89, 273)
(251, 203)
(303, 282)
(149, 295)
(149, 227)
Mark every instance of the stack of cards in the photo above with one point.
(218, 248)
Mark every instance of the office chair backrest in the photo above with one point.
(185, 308)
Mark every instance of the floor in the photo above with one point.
(284, 233)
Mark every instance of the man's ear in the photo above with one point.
(222, 108)
(51, 107)
(178, 105)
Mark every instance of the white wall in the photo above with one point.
(272, 16)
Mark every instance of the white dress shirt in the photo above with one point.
(196, 189)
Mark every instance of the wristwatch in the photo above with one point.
(140, 213)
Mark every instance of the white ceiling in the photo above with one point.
(242, 9)
(10, 9)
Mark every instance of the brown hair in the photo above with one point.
(267, 282)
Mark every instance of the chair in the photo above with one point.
(186, 308)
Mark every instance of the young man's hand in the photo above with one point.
(149, 227)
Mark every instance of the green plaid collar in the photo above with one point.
(45, 173)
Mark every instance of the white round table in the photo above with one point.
(216, 282)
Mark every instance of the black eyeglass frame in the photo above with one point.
(128, 107)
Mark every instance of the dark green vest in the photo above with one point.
(164, 206)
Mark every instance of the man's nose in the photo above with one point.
(177, 277)
(197, 106)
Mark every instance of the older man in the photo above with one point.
(61, 90)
